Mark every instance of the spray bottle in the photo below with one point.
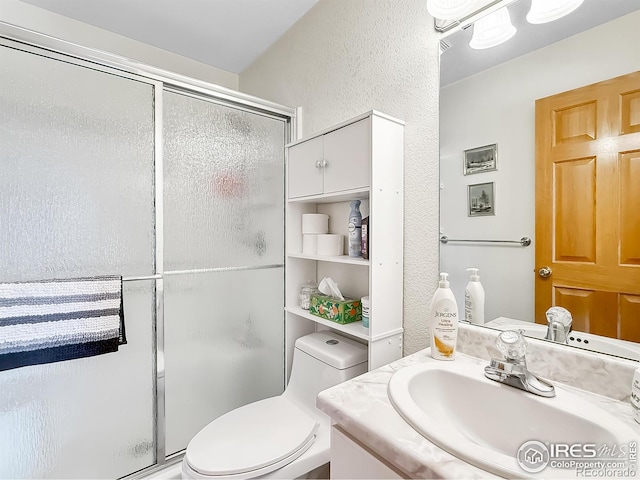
(355, 230)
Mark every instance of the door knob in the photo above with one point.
(545, 272)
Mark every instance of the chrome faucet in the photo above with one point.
(558, 324)
(512, 370)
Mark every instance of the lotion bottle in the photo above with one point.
(474, 299)
(443, 315)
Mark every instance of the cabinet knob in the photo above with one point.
(318, 163)
(324, 163)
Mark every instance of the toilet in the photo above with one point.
(284, 436)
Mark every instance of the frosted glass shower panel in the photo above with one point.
(224, 185)
(86, 418)
(76, 153)
(224, 344)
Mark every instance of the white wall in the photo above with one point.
(39, 20)
(498, 106)
(345, 57)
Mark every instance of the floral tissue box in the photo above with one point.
(344, 311)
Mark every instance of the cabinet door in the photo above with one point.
(305, 176)
(350, 460)
(347, 152)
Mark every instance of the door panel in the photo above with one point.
(77, 199)
(630, 317)
(305, 177)
(223, 210)
(575, 124)
(630, 112)
(575, 195)
(224, 178)
(223, 346)
(629, 212)
(592, 310)
(347, 152)
(587, 197)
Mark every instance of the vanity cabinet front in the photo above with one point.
(336, 161)
(352, 460)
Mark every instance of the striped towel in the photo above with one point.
(55, 320)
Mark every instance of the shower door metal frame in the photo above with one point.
(18, 38)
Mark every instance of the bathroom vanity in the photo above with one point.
(366, 425)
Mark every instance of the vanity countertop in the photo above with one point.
(362, 408)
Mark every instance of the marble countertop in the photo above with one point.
(361, 406)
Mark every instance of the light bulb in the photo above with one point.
(492, 30)
(543, 11)
(449, 9)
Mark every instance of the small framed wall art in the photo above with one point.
(481, 199)
(481, 159)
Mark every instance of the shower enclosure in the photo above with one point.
(110, 167)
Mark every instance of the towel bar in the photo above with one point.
(524, 241)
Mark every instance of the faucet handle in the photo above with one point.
(512, 345)
(560, 315)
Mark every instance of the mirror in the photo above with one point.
(487, 108)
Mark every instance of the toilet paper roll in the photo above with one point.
(315, 223)
(310, 244)
(330, 244)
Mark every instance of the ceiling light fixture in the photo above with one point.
(449, 9)
(492, 30)
(543, 11)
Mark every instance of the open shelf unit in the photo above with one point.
(339, 259)
(360, 159)
(335, 197)
(354, 329)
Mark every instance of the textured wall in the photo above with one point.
(346, 57)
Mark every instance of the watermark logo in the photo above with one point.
(587, 460)
(533, 456)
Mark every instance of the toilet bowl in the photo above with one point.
(284, 436)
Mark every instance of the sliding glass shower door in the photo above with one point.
(104, 172)
(77, 199)
(224, 248)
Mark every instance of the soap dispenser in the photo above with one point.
(443, 315)
(474, 299)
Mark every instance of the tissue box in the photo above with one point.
(344, 311)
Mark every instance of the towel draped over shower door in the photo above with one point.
(55, 320)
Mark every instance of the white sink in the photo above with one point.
(485, 423)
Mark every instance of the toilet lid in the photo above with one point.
(250, 438)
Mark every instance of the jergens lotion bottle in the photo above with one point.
(443, 315)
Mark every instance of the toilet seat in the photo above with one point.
(252, 440)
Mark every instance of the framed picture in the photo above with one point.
(481, 159)
(481, 198)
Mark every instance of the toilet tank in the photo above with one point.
(322, 360)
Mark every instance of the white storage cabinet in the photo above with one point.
(360, 159)
(333, 162)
